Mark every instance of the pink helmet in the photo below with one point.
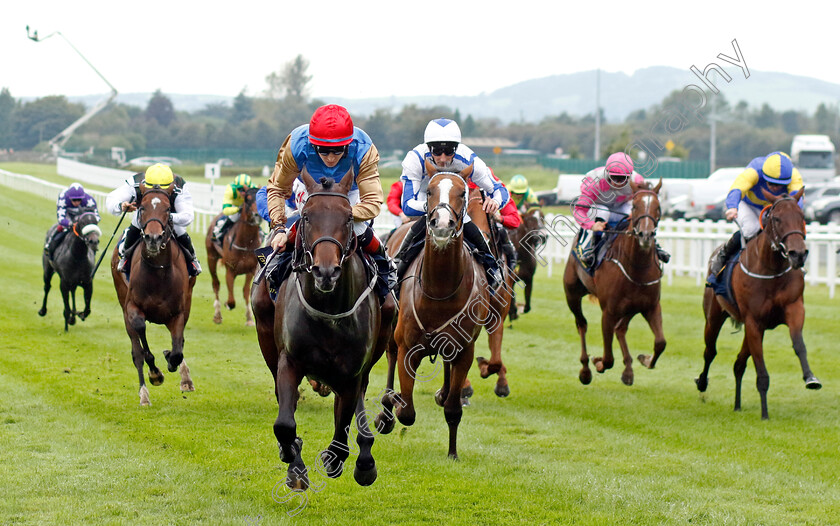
(619, 164)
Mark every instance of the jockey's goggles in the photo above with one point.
(152, 185)
(443, 149)
(330, 150)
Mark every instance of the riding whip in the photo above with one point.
(105, 250)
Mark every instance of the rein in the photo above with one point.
(632, 231)
(776, 244)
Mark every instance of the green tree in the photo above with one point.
(243, 108)
(7, 123)
(291, 82)
(42, 119)
(824, 119)
(791, 122)
(160, 109)
(766, 117)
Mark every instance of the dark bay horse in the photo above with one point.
(73, 259)
(443, 306)
(159, 290)
(236, 251)
(527, 238)
(627, 283)
(767, 286)
(326, 323)
(500, 300)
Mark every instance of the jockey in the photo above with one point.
(521, 194)
(235, 194)
(71, 203)
(292, 215)
(774, 173)
(606, 198)
(442, 146)
(329, 146)
(127, 197)
(394, 202)
(507, 217)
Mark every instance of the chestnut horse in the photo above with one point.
(326, 323)
(627, 283)
(527, 238)
(236, 251)
(159, 290)
(443, 305)
(500, 300)
(767, 286)
(73, 259)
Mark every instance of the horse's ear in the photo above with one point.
(658, 186)
(633, 186)
(798, 195)
(769, 196)
(308, 181)
(431, 169)
(346, 182)
(466, 173)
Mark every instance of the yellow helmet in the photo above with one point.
(518, 184)
(159, 175)
(243, 181)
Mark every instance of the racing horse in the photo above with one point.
(73, 259)
(767, 286)
(527, 238)
(626, 283)
(500, 301)
(159, 289)
(236, 251)
(326, 323)
(443, 306)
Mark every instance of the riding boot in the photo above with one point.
(221, 228)
(193, 266)
(407, 252)
(491, 266)
(661, 254)
(586, 248)
(130, 238)
(732, 246)
(386, 269)
(54, 241)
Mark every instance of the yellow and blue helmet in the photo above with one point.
(159, 175)
(243, 181)
(518, 184)
(777, 168)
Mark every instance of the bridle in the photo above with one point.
(83, 235)
(635, 220)
(306, 258)
(446, 206)
(167, 226)
(253, 218)
(777, 244)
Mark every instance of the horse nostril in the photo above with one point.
(433, 223)
(336, 271)
(451, 223)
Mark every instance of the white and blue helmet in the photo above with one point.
(442, 130)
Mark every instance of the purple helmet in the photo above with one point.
(76, 191)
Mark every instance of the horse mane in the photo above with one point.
(326, 183)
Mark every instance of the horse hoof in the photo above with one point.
(173, 364)
(526, 309)
(627, 379)
(187, 387)
(230, 306)
(703, 383)
(71, 320)
(585, 376)
(482, 363)
(439, 398)
(217, 319)
(465, 402)
(42, 312)
(502, 391)
(599, 364)
(250, 323)
(383, 424)
(467, 392)
(645, 359)
(365, 478)
(813, 383)
(333, 471)
(155, 377)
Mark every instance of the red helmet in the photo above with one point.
(331, 125)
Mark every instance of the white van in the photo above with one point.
(814, 156)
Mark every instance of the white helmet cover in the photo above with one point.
(442, 130)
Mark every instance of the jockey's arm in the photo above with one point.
(482, 177)
(583, 208)
(740, 186)
(370, 187)
(184, 212)
(279, 186)
(795, 185)
(61, 211)
(122, 194)
(229, 205)
(90, 203)
(413, 202)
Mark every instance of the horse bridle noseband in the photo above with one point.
(776, 244)
(447, 206)
(307, 258)
(167, 227)
(635, 220)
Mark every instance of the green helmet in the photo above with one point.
(243, 181)
(518, 184)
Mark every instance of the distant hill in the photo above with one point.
(574, 93)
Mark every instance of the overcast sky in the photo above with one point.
(378, 48)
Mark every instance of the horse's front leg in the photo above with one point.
(443, 393)
(715, 316)
(176, 330)
(365, 472)
(795, 320)
(135, 326)
(88, 291)
(495, 332)
(654, 319)
(384, 422)
(575, 291)
(48, 274)
(337, 452)
(407, 362)
(212, 262)
(754, 336)
(230, 277)
(608, 327)
(452, 407)
(621, 335)
(246, 294)
(69, 314)
(285, 427)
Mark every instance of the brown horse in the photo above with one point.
(627, 283)
(767, 286)
(443, 305)
(73, 260)
(527, 238)
(159, 290)
(236, 251)
(500, 300)
(326, 323)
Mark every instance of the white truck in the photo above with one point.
(814, 156)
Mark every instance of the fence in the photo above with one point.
(676, 170)
(690, 242)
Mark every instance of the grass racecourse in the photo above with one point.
(76, 447)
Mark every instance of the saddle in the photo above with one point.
(722, 283)
(601, 246)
